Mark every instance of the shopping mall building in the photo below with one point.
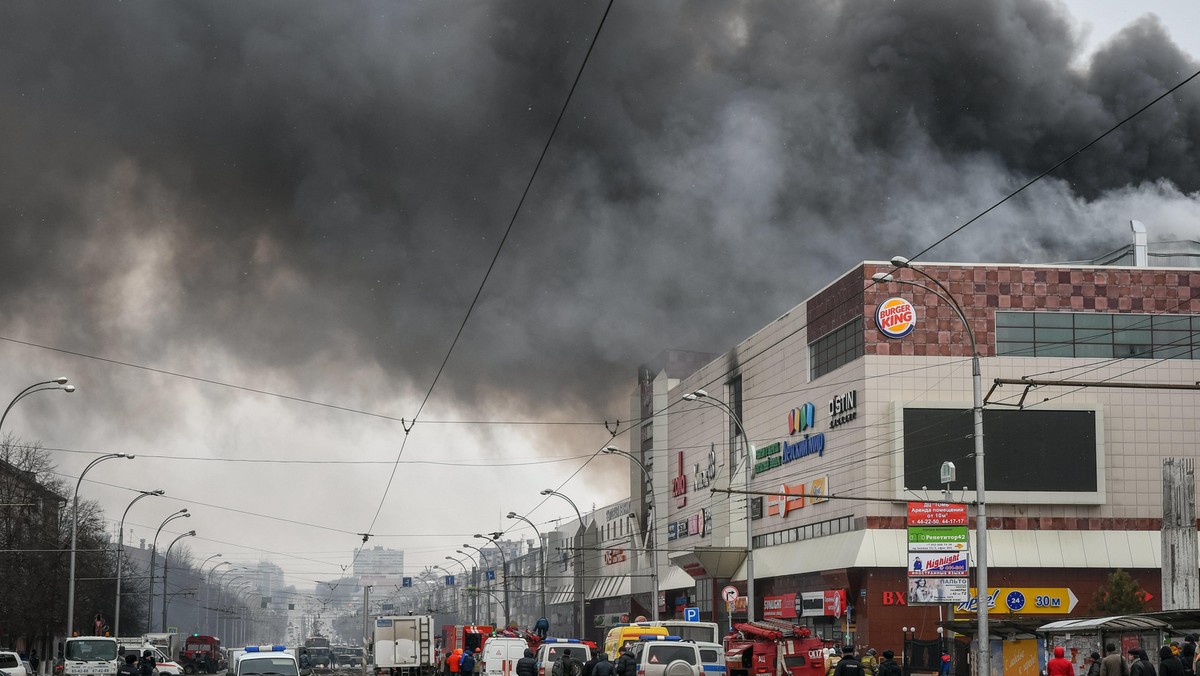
(846, 396)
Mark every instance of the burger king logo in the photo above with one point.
(896, 317)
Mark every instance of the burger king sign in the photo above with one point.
(896, 317)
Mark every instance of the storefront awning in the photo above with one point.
(1106, 625)
(564, 594)
(611, 587)
(704, 562)
(676, 579)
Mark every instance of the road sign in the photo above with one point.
(406, 582)
(691, 614)
(938, 539)
(937, 514)
(1024, 601)
(730, 594)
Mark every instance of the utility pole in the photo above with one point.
(366, 625)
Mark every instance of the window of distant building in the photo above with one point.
(837, 348)
(1097, 335)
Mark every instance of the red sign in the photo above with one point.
(936, 514)
(779, 607)
(613, 556)
(835, 602)
(679, 485)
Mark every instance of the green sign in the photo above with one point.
(938, 538)
(768, 457)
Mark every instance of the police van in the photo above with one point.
(263, 660)
(667, 656)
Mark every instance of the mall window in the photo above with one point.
(1097, 335)
(834, 349)
(813, 530)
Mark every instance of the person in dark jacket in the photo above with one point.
(849, 664)
(626, 664)
(1187, 655)
(1093, 664)
(1140, 664)
(527, 666)
(590, 664)
(129, 666)
(1168, 663)
(147, 665)
(603, 667)
(888, 666)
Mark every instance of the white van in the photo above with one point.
(500, 655)
(90, 656)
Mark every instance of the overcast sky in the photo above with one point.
(303, 198)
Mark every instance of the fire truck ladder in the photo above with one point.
(772, 630)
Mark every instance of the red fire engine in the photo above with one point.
(770, 648)
(465, 636)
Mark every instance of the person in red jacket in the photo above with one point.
(1059, 666)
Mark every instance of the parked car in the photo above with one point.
(11, 664)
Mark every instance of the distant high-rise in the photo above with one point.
(375, 564)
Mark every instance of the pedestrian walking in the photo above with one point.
(147, 664)
(567, 665)
(1113, 664)
(1060, 665)
(626, 664)
(603, 666)
(1168, 663)
(527, 665)
(591, 664)
(888, 666)
(454, 659)
(1188, 655)
(1141, 666)
(466, 663)
(129, 666)
(34, 661)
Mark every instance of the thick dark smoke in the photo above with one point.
(307, 185)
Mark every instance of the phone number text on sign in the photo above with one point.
(936, 514)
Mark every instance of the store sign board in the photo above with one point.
(938, 590)
(937, 514)
(779, 607)
(937, 564)
(938, 538)
(828, 603)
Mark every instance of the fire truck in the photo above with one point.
(465, 636)
(771, 648)
(201, 654)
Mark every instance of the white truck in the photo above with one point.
(404, 645)
(90, 656)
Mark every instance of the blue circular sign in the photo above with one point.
(1015, 601)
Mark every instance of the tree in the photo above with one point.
(1121, 595)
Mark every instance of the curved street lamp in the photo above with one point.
(701, 397)
(503, 567)
(166, 566)
(121, 553)
(207, 588)
(181, 514)
(981, 531)
(75, 526)
(651, 527)
(578, 555)
(59, 383)
(542, 562)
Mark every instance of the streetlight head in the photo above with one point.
(182, 511)
(699, 394)
(61, 380)
(548, 491)
(881, 277)
(512, 515)
(612, 449)
(449, 558)
(128, 457)
(191, 533)
(479, 536)
(899, 261)
(68, 389)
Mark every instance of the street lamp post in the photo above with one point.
(121, 553)
(59, 383)
(166, 567)
(701, 397)
(181, 514)
(651, 527)
(462, 594)
(542, 558)
(578, 555)
(207, 589)
(480, 571)
(446, 583)
(75, 529)
(983, 635)
(504, 569)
